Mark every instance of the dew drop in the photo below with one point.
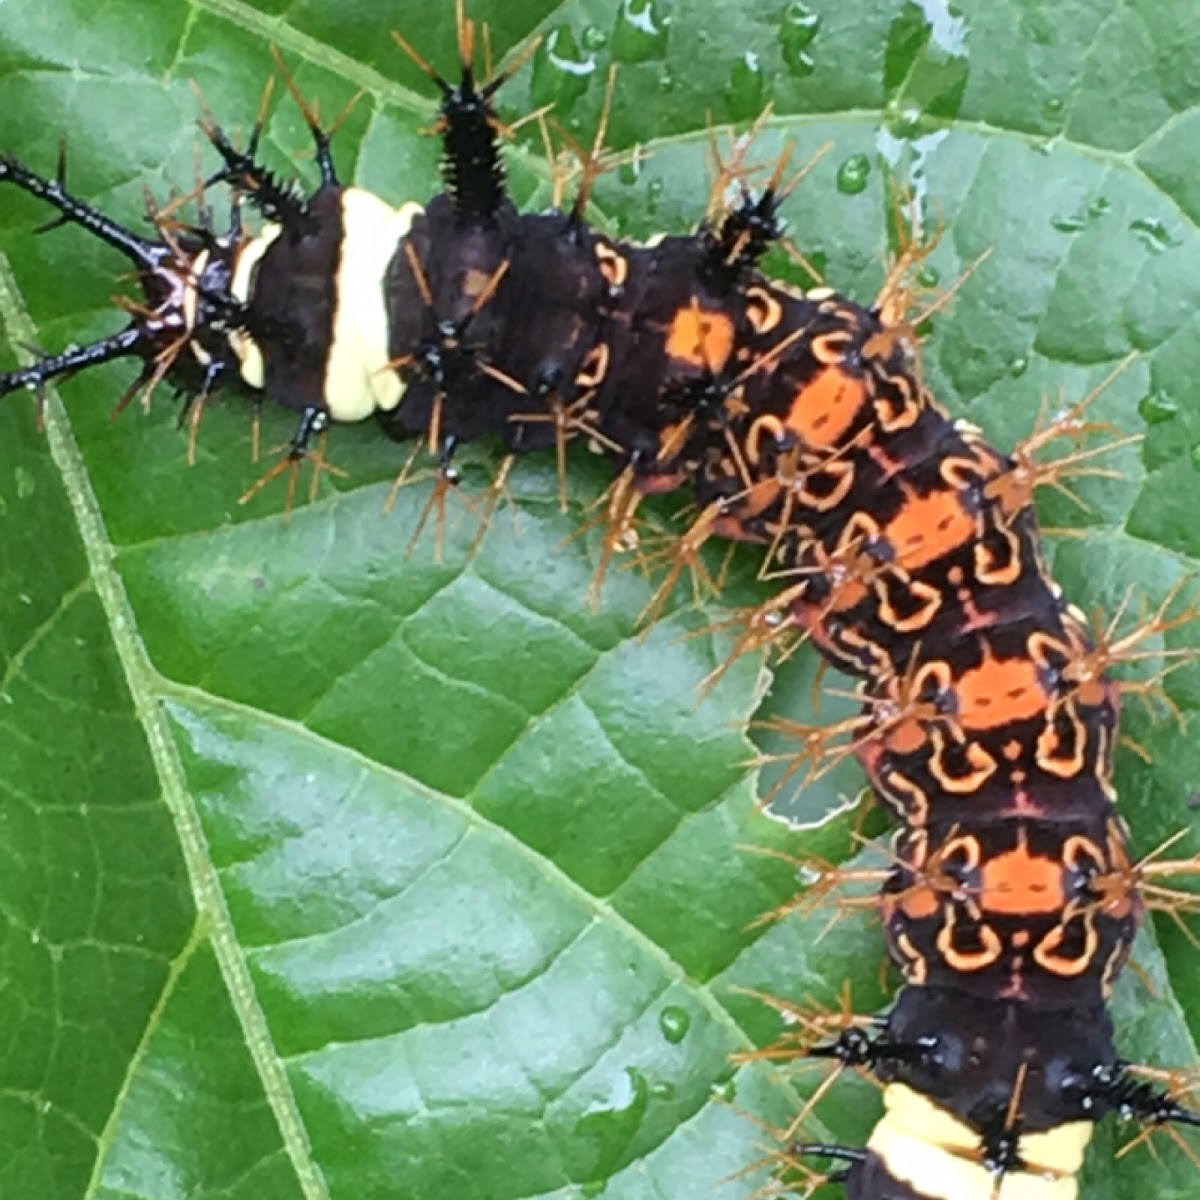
(1066, 224)
(853, 175)
(1156, 409)
(1099, 206)
(1152, 233)
(929, 276)
(1053, 106)
(1018, 367)
(746, 88)
(561, 70)
(799, 27)
(640, 31)
(594, 38)
(614, 1121)
(674, 1023)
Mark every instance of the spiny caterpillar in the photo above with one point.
(799, 422)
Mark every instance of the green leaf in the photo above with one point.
(332, 870)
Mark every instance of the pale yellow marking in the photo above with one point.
(191, 307)
(357, 378)
(249, 356)
(937, 1155)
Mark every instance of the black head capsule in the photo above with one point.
(181, 327)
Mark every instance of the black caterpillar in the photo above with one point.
(800, 423)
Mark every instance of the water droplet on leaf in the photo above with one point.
(853, 175)
(796, 33)
(611, 1124)
(1155, 408)
(640, 31)
(746, 87)
(1152, 233)
(1067, 224)
(674, 1023)
(561, 70)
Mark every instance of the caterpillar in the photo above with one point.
(633, 1086)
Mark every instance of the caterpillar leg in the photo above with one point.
(313, 422)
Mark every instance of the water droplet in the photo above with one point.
(630, 170)
(1053, 106)
(654, 195)
(929, 276)
(1152, 233)
(674, 1023)
(1099, 206)
(1065, 224)
(594, 38)
(746, 88)
(662, 1090)
(611, 1124)
(1155, 408)
(800, 25)
(26, 484)
(903, 120)
(1018, 367)
(666, 80)
(853, 175)
(640, 31)
(560, 70)
(800, 64)
(803, 23)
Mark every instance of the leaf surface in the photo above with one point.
(333, 870)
